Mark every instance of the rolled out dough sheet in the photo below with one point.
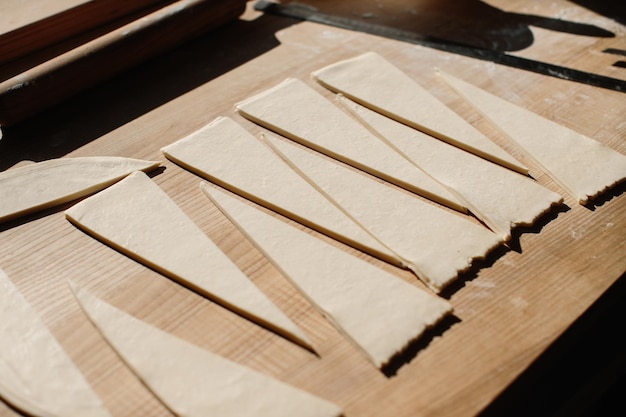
(36, 374)
(582, 166)
(193, 382)
(225, 153)
(42, 185)
(436, 244)
(501, 198)
(376, 83)
(378, 312)
(137, 218)
(297, 111)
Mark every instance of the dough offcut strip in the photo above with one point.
(581, 165)
(137, 218)
(378, 312)
(225, 153)
(436, 244)
(42, 185)
(501, 198)
(295, 110)
(193, 382)
(36, 374)
(374, 82)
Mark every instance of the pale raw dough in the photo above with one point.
(42, 185)
(378, 312)
(193, 382)
(227, 154)
(36, 374)
(501, 198)
(295, 110)
(580, 165)
(436, 244)
(137, 218)
(376, 83)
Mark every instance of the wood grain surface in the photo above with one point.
(507, 311)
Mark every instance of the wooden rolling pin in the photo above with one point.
(38, 24)
(78, 69)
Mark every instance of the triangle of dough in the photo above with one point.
(191, 381)
(137, 218)
(436, 244)
(295, 110)
(227, 154)
(36, 374)
(580, 165)
(378, 312)
(501, 198)
(45, 184)
(376, 83)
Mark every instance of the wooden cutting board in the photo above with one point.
(506, 313)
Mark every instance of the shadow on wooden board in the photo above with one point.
(472, 23)
(612, 9)
(113, 103)
(583, 374)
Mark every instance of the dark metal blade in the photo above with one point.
(311, 14)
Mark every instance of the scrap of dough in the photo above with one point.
(580, 165)
(501, 198)
(137, 218)
(436, 244)
(376, 83)
(36, 374)
(45, 184)
(193, 382)
(227, 154)
(295, 110)
(378, 312)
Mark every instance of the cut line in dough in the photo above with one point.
(298, 112)
(226, 154)
(42, 185)
(374, 82)
(582, 166)
(193, 382)
(36, 374)
(436, 244)
(138, 219)
(378, 312)
(499, 197)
